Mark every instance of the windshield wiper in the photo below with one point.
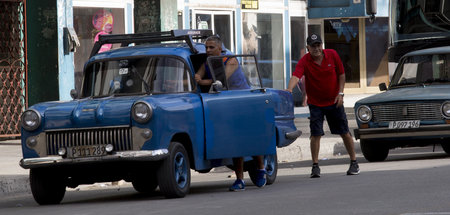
(147, 88)
(436, 80)
(405, 84)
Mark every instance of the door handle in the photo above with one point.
(262, 90)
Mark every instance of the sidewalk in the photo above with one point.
(14, 179)
(349, 102)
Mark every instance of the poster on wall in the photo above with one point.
(103, 22)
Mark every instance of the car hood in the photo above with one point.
(419, 93)
(87, 113)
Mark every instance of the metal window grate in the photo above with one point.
(398, 112)
(120, 138)
(12, 67)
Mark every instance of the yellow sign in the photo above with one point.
(249, 4)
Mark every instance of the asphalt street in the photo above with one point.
(411, 182)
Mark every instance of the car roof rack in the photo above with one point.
(173, 35)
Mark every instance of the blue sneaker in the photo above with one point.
(238, 185)
(260, 178)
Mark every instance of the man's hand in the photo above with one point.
(292, 83)
(198, 78)
(339, 100)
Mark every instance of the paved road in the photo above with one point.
(411, 181)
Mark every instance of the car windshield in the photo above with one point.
(157, 74)
(422, 69)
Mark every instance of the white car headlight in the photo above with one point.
(364, 113)
(142, 112)
(446, 109)
(31, 120)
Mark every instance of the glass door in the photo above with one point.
(343, 36)
(221, 22)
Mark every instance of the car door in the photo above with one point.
(239, 114)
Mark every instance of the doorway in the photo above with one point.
(343, 36)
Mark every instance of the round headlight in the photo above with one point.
(142, 112)
(446, 109)
(364, 113)
(31, 120)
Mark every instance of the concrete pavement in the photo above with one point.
(14, 179)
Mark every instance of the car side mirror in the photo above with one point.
(382, 87)
(74, 93)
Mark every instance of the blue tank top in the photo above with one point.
(236, 81)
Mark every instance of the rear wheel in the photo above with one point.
(374, 151)
(174, 176)
(47, 186)
(271, 166)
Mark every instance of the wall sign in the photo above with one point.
(250, 4)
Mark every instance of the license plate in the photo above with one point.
(86, 151)
(404, 124)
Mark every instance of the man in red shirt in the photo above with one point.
(324, 82)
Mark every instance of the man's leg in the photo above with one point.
(238, 164)
(238, 185)
(261, 172)
(315, 146)
(259, 161)
(316, 127)
(349, 145)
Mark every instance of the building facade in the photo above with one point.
(276, 31)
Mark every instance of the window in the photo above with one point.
(263, 36)
(376, 51)
(89, 22)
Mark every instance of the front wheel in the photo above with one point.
(374, 151)
(271, 166)
(47, 186)
(174, 174)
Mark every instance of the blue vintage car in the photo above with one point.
(414, 111)
(141, 117)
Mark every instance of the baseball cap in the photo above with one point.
(313, 38)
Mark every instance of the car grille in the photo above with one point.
(398, 112)
(120, 138)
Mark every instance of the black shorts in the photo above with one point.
(336, 118)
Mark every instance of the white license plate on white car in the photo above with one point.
(404, 124)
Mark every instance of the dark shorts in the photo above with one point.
(336, 118)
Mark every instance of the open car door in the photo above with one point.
(238, 112)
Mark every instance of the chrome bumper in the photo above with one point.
(146, 155)
(424, 131)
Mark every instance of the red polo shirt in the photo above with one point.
(321, 81)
